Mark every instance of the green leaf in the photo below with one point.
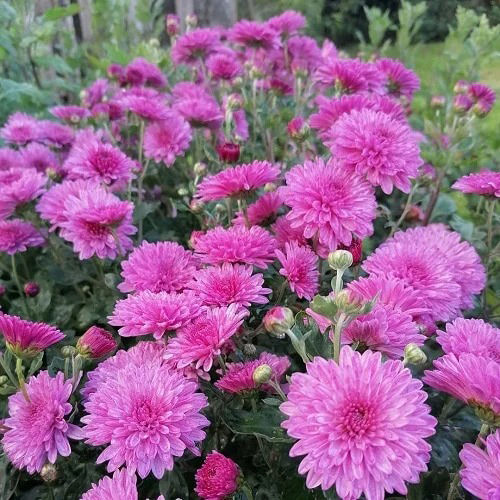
(144, 209)
(324, 306)
(8, 390)
(36, 364)
(42, 301)
(56, 13)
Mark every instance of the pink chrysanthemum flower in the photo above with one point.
(480, 473)
(17, 236)
(287, 23)
(237, 181)
(9, 158)
(485, 183)
(224, 66)
(473, 379)
(25, 338)
(329, 203)
(122, 485)
(304, 53)
(90, 158)
(149, 108)
(165, 140)
(72, 114)
(401, 81)
(20, 129)
(361, 425)
(229, 284)
(201, 341)
(55, 134)
(238, 244)
(472, 336)
(300, 268)
(285, 233)
(263, 211)
(98, 223)
(154, 313)
(146, 416)
(377, 147)
(253, 34)
(200, 111)
(217, 478)
(96, 343)
(482, 96)
(142, 72)
(239, 376)
(195, 45)
(39, 157)
(38, 431)
(159, 267)
(95, 92)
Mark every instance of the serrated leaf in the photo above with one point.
(324, 306)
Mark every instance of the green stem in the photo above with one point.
(229, 209)
(8, 372)
(259, 439)
(140, 197)
(338, 280)
(276, 386)
(281, 291)
(405, 209)
(222, 363)
(20, 378)
(489, 244)
(337, 337)
(18, 283)
(298, 346)
(248, 492)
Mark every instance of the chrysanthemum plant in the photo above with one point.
(206, 275)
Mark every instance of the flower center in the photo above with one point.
(357, 419)
(146, 416)
(104, 162)
(96, 229)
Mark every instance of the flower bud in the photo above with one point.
(182, 191)
(237, 82)
(191, 20)
(200, 168)
(414, 355)
(278, 320)
(234, 102)
(355, 249)
(228, 152)
(249, 350)
(461, 87)
(95, 343)
(196, 206)
(414, 214)
(31, 289)
(67, 351)
(52, 174)
(3, 380)
(172, 24)
(298, 129)
(262, 374)
(461, 103)
(255, 73)
(340, 260)
(220, 208)
(48, 473)
(194, 237)
(270, 187)
(342, 300)
(481, 109)
(438, 101)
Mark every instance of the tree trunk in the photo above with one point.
(209, 12)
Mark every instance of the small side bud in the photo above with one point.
(340, 260)
(249, 350)
(461, 87)
(95, 343)
(48, 473)
(31, 289)
(196, 206)
(278, 320)
(269, 187)
(3, 380)
(414, 355)
(67, 351)
(461, 103)
(262, 374)
(191, 20)
(199, 168)
(438, 101)
(182, 191)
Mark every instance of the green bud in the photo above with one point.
(48, 473)
(182, 191)
(262, 374)
(67, 351)
(340, 260)
(199, 168)
(414, 355)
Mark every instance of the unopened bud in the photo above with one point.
(237, 82)
(461, 87)
(249, 350)
(172, 24)
(414, 355)
(270, 187)
(340, 260)
(48, 473)
(182, 191)
(2, 290)
(194, 238)
(234, 102)
(342, 300)
(461, 103)
(196, 206)
(278, 320)
(31, 289)
(438, 101)
(67, 351)
(298, 129)
(191, 20)
(355, 249)
(220, 208)
(255, 73)
(262, 374)
(95, 343)
(199, 168)
(52, 174)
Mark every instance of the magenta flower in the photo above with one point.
(165, 140)
(146, 416)
(121, 485)
(329, 203)
(475, 380)
(287, 23)
(263, 211)
(142, 72)
(238, 244)
(201, 341)
(159, 267)
(72, 114)
(305, 55)
(224, 66)
(95, 93)
(195, 45)
(38, 431)
(480, 473)
(485, 183)
(96, 343)
(200, 111)
(300, 268)
(217, 478)
(254, 35)
(148, 107)
(17, 236)
(25, 338)
(239, 376)
(39, 157)
(90, 158)
(472, 336)
(9, 158)
(154, 313)
(55, 134)
(237, 181)
(229, 284)
(20, 129)
(482, 96)
(401, 81)
(377, 147)
(361, 425)
(285, 233)
(98, 223)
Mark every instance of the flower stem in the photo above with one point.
(259, 439)
(18, 284)
(489, 244)
(405, 209)
(337, 336)
(20, 378)
(140, 197)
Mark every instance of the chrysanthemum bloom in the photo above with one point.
(38, 431)
(9, 158)
(72, 114)
(159, 267)
(20, 129)
(154, 313)
(473, 379)
(237, 244)
(329, 202)
(95, 92)
(195, 45)
(39, 157)
(377, 147)
(90, 158)
(485, 183)
(472, 336)
(25, 338)
(285, 233)
(462, 103)
(167, 139)
(142, 72)
(96, 343)
(149, 108)
(304, 53)
(17, 236)
(300, 268)
(253, 34)
(460, 256)
(146, 415)
(237, 181)
(401, 81)
(201, 341)
(331, 109)
(239, 376)
(224, 66)
(482, 96)
(121, 485)
(229, 284)
(201, 111)
(55, 134)
(480, 473)
(287, 23)
(98, 223)
(263, 211)
(217, 478)
(361, 425)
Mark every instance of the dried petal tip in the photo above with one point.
(278, 320)
(414, 355)
(340, 260)
(262, 374)
(95, 343)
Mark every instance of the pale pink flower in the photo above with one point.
(121, 486)
(484, 183)
(55, 134)
(217, 478)
(224, 66)
(9, 158)
(17, 236)
(142, 72)
(304, 53)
